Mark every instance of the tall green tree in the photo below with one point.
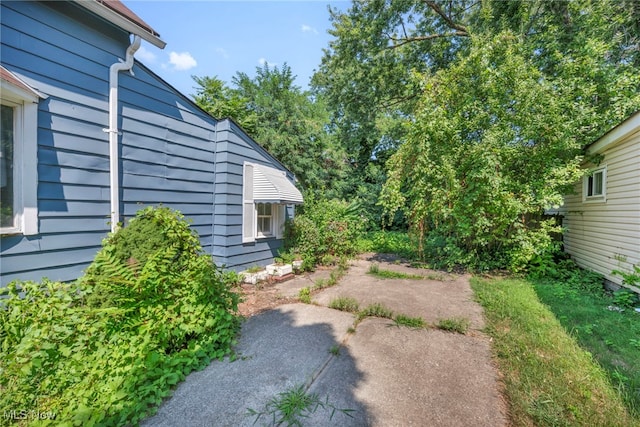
(481, 106)
(497, 135)
(288, 122)
(214, 96)
(367, 76)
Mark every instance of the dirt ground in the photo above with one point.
(261, 297)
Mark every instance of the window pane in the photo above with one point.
(6, 166)
(597, 183)
(267, 209)
(264, 225)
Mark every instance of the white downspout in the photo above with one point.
(114, 172)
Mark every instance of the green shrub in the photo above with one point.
(325, 231)
(107, 349)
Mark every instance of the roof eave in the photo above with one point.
(19, 86)
(122, 22)
(618, 133)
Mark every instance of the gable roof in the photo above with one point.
(115, 12)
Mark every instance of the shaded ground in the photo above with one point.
(387, 375)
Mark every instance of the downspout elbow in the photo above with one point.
(114, 160)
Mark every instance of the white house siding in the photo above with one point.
(605, 236)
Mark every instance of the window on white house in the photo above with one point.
(265, 219)
(595, 184)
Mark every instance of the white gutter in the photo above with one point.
(114, 172)
(120, 21)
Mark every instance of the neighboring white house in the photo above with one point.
(602, 218)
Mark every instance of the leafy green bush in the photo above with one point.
(325, 231)
(107, 349)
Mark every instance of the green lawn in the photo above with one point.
(549, 379)
(612, 336)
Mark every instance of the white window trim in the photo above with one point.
(599, 198)
(25, 158)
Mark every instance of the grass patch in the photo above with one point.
(375, 310)
(335, 350)
(549, 379)
(381, 273)
(304, 295)
(610, 335)
(334, 276)
(458, 325)
(345, 304)
(410, 322)
(293, 405)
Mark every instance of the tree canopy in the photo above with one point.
(289, 123)
(481, 108)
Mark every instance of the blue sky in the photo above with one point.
(219, 38)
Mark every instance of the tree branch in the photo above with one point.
(460, 30)
(397, 42)
(437, 9)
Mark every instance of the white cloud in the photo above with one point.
(182, 61)
(263, 61)
(222, 52)
(308, 29)
(146, 55)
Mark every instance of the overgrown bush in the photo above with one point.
(489, 149)
(107, 349)
(325, 230)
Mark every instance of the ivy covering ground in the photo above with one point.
(106, 350)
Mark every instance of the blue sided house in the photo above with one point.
(90, 136)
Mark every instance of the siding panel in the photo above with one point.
(606, 236)
(167, 147)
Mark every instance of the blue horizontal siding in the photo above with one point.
(69, 224)
(167, 147)
(56, 174)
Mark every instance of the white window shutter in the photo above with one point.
(248, 208)
(30, 170)
(279, 219)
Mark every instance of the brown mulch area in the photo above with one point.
(258, 298)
